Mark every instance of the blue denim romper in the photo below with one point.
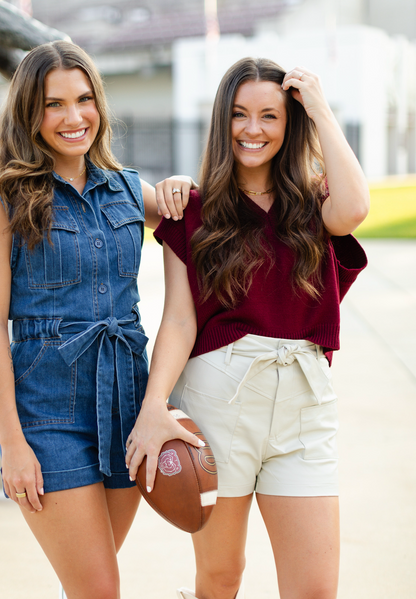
(78, 346)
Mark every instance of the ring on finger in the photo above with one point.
(300, 76)
(21, 495)
(176, 190)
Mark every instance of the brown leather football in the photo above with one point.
(185, 489)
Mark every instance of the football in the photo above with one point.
(185, 488)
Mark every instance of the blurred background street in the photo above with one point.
(161, 62)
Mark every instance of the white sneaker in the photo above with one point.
(184, 593)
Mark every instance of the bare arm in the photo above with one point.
(173, 345)
(21, 469)
(349, 199)
(150, 206)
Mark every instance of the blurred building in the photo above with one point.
(133, 44)
(161, 73)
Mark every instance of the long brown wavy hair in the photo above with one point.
(26, 161)
(230, 246)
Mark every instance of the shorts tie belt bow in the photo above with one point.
(113, 361)
(284, 356)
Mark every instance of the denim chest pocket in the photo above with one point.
(50, 266)
(126, 223)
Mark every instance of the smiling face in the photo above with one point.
(71, 120)
(258, 126)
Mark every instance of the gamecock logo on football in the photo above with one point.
(169, 463)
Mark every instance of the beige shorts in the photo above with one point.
(269, 412)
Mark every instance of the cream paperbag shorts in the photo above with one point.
(269, 412)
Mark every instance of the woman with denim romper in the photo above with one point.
(255, 272)
(71, 231)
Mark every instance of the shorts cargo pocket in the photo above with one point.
(126, 222)
(56, 264)
(318, 429)
(38, 403)
(216, 418)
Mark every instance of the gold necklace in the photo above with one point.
(256, 193)
(72, 178)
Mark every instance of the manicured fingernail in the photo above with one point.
(201, 443)
(132, 479)
(149, 489)
(175, 218)
(40, 509)
(127, 467)
(166, 215)
(42, 492)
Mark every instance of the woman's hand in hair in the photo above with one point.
(171, 203)
(306, 88)
(349, 199)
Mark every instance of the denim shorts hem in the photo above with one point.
(81, 477)
(119, 480)
(61, 480)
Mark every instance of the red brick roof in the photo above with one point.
(115, 24)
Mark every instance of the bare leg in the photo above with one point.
(122, 508)
(75, 531)
(219, 549)
(304, 533)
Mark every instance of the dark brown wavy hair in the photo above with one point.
(26, 161)
(230, 246)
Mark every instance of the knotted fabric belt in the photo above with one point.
(113, 361)
(306, 355)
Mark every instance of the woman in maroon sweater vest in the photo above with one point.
(255, 272)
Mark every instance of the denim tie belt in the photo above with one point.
(113, 359)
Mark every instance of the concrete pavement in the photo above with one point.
(375, 376)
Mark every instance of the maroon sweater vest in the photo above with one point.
(271, 307)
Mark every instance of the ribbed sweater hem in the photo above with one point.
(326, 335)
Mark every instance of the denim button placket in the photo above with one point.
(95, 293)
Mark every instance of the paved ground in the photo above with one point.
(375, 375)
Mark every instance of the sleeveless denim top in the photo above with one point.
(82, 288)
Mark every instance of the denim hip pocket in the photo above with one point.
(45, 385)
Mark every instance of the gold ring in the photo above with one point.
(176, 190)
(21, 495)
(300, 76)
